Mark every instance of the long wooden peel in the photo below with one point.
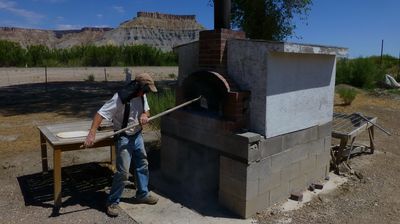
(150, 119)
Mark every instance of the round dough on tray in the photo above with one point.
(72, 134)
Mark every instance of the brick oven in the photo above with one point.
(263, 128)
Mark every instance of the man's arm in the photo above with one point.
(92, 133)
(144, 117)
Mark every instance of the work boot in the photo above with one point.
(112, 210)
(149, 199)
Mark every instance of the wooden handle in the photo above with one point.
(150, 119)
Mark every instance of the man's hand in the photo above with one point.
(144, 119)
(89, 142)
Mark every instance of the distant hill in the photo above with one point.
(163, 31)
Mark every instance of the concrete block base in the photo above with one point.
(246, 172)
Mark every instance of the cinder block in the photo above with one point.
(233, 168)
(244, 208)
(290, 172)
(232, 186)
(239, 170)
(316, 147)
(251, 189)
(233, 203)
(254, 170)
(323, 159)
(299, 152)
(268, 182)
(317, 174)
(256, 204)
(235, 145)
(328, 143)
(271, 146)
(228, 143)
(265, 167)
(298, 184)
(225, 165)
(169, 154)
(279, 193)
(300, 137)
(308, 165)
(250, 137)
(325, 130)
(280, 160)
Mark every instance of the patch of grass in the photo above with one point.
(172, 76)
(347, 95)
(394, 91)
(90, 78)
(160, 102)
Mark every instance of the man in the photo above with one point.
(128, 106)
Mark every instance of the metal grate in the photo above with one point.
(345, 124)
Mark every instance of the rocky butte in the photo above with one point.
(163, 31)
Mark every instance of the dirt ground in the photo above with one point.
(372, 196)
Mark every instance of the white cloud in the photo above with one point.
(68, 27)
(102, 26)
(6, 4)
(119, 9)
(12, 7)
(50, 1)
(99, 16)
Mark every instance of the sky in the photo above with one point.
(359, 25)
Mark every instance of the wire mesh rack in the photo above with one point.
(347, 127)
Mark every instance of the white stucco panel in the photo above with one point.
(298, 110)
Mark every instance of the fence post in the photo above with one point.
(105, 75)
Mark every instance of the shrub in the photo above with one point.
(359, 72)
(347, 95)
(12, 54)
(160, 102)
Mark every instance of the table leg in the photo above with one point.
(43, 146)
(57, 178)
(337, 156)
(371, 138)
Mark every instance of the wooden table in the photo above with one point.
(48, 136)
(347, 127)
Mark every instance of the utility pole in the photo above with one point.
(398, 70)
(381, 52)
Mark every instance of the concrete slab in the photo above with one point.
(168, 211)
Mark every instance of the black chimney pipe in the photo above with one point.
(222, 14)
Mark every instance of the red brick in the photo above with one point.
(296, 196)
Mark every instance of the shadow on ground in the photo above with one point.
(78, 99)
(83, 184)
(75, 99)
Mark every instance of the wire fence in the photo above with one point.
(17, 76)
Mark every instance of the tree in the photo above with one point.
(11, 54)
(268, 19)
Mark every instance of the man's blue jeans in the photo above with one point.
(128, 147)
